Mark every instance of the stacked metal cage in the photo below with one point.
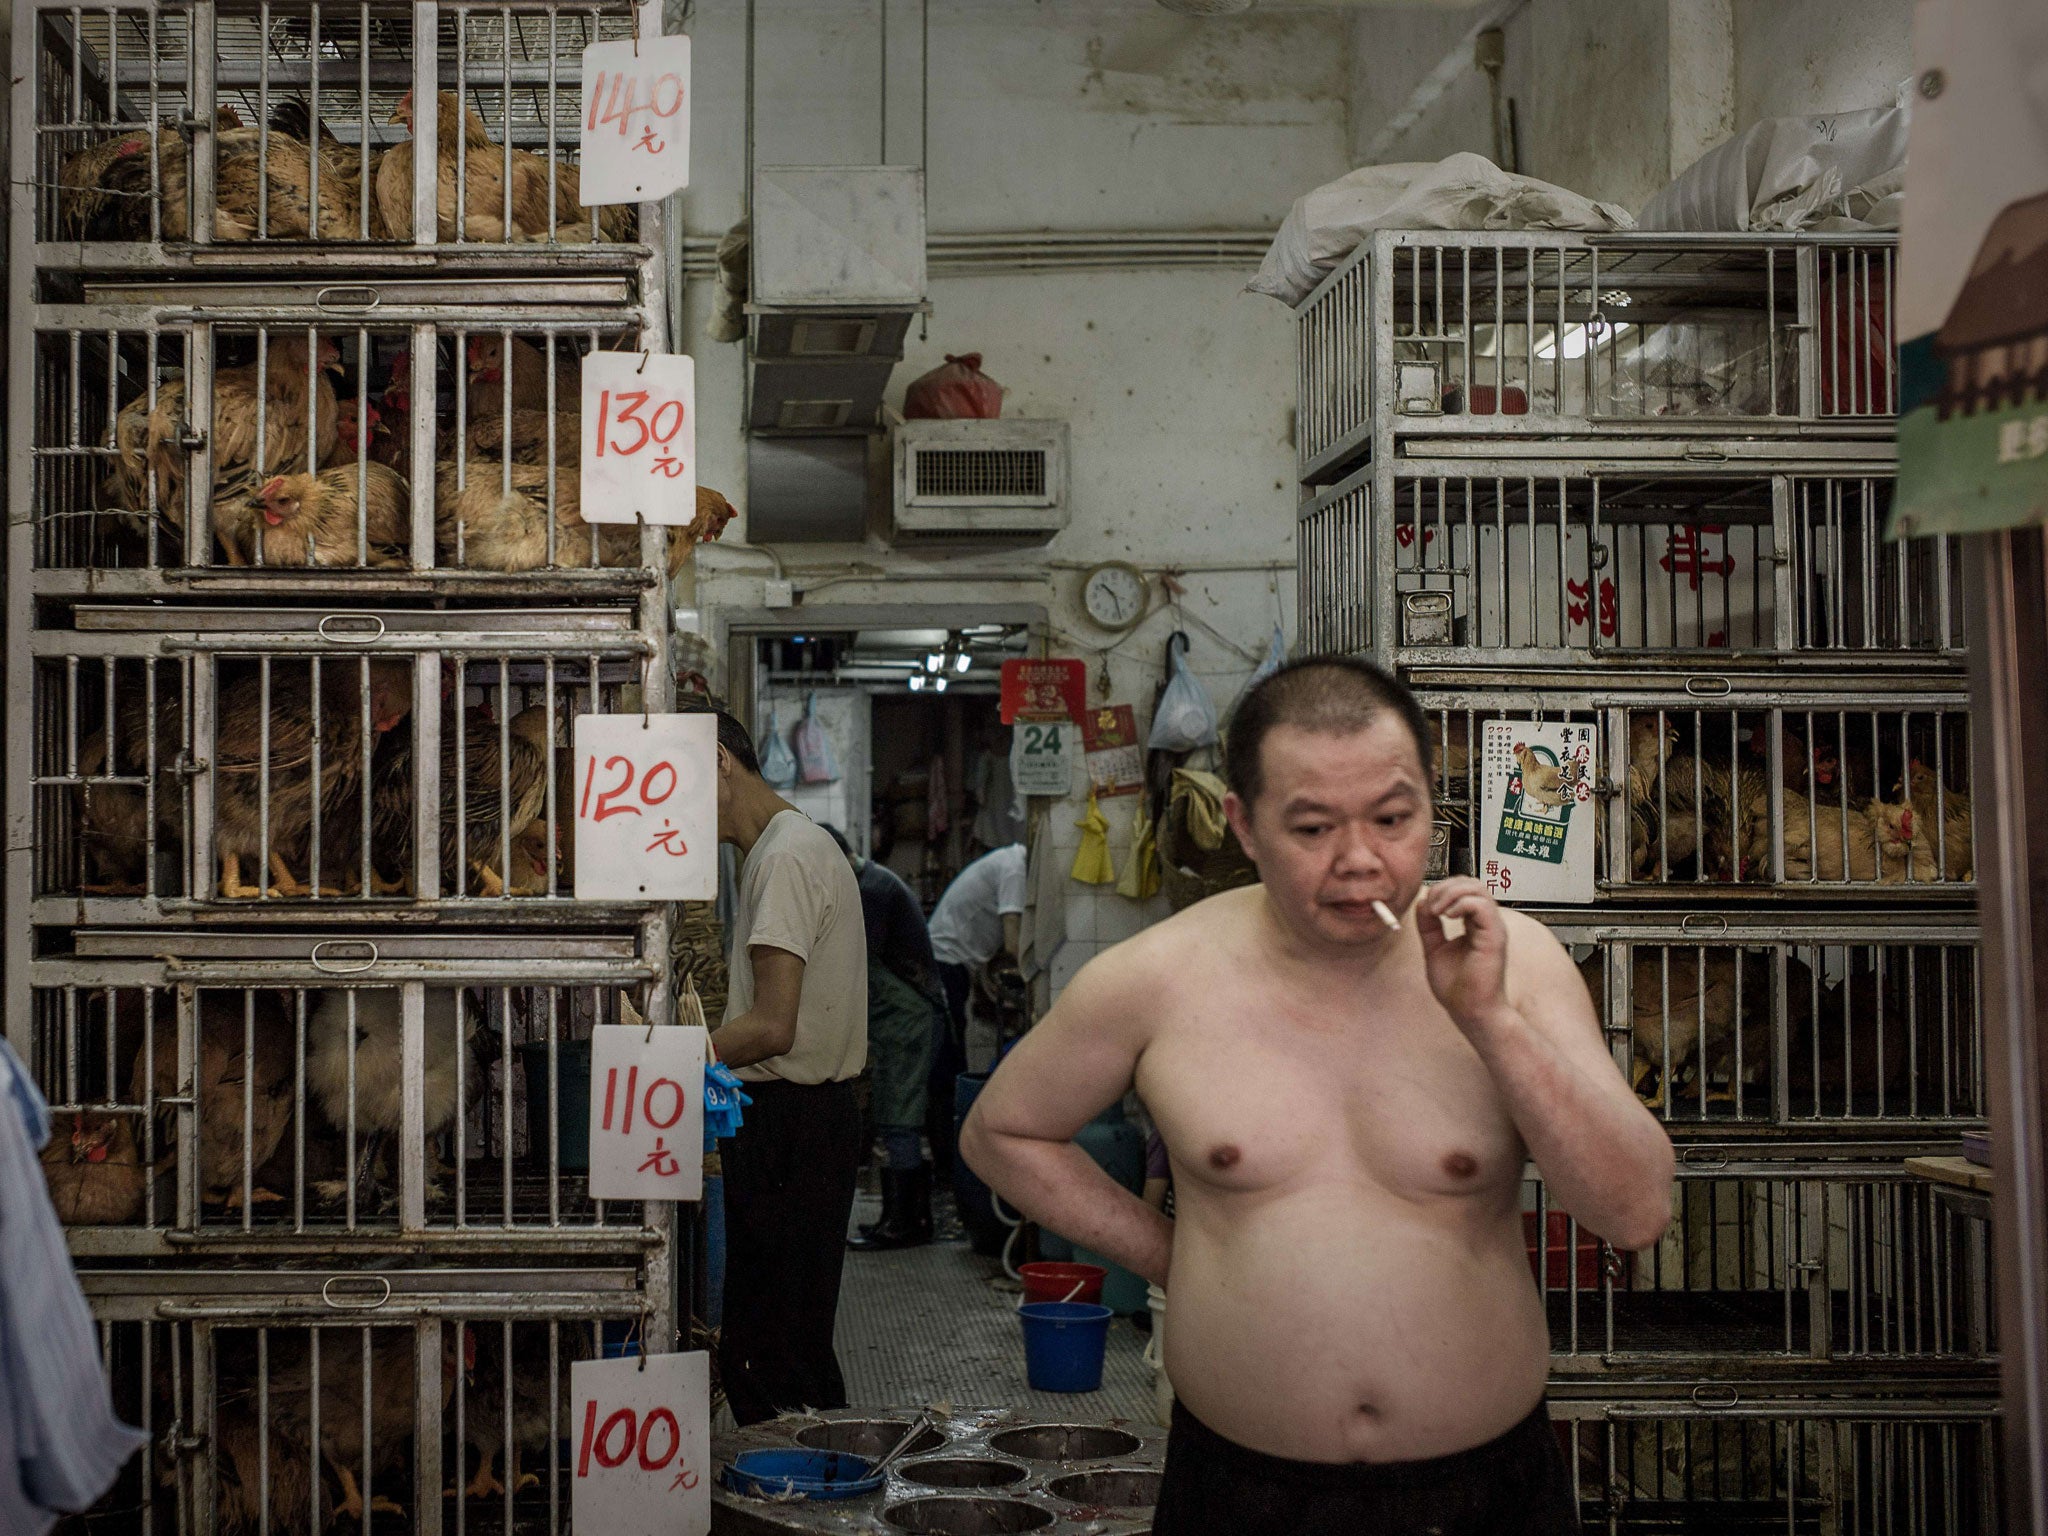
(300, 609)
(1642, 482)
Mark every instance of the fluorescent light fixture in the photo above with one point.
(917, 682)
(939, 684)
(963, 662)
(934, 661)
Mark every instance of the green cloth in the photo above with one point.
(900, 1022)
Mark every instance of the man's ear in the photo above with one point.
(1239, 815)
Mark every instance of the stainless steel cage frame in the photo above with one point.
(217, 1070)
(406, 1382)
(1723, 813)
(1711, 562)
(1811, 1023)
(72, 682)
(1739, 1455)
(212, 75)
(1778, 1254)
(1532, 339)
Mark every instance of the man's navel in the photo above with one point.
(1224, 1156)
(1461, 1165)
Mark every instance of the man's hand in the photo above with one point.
(1468, 974)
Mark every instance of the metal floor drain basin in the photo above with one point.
(1114, 1488)
(873, 1438)
(1064, 1442)
(962, 1472)
(966, 1517)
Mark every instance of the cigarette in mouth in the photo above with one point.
(1386, 915)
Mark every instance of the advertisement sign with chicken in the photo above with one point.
(1536, 835)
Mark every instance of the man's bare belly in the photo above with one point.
(1341, 1324)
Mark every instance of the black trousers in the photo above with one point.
(949, 1060)
(1517, 1485)
(789, 1177)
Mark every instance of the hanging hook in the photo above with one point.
(645, 354)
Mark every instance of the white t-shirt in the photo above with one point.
(967, 924)
(798, 893)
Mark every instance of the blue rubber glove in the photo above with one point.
(724, 1098)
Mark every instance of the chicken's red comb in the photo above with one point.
(274, 486)
(1906, 822)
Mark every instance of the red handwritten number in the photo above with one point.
(647, 795)
(611, 1085)
(675, 1439)
(604, 414)
(622, 1418)
(647, 1105)
(632, 1092)
(606, 107)
(605, 808)
(589, 778)
(661, 436)
(589, 1434)
(630, 401)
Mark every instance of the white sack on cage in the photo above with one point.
(1787, 174)
(1463, 191)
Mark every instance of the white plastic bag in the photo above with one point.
(1792, 173)
(1463, 191)
(814, 761)
(778, 763)
(1185, 717)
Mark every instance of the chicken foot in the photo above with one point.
(351, 1506)
(488, 878)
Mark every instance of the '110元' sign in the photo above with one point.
(647, 1112)
(646, 807)
(641, 1451)
(639, 438)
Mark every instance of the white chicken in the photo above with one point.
(378, 1047)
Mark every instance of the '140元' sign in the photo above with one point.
(635, 144)
(646, 807)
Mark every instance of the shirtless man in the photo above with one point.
(1357, 1346)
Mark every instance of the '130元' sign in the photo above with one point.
(642, 1445)
(647, 1112)
(636, 118)
(639, 438)
(646, 807)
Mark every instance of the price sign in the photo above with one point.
(1536, 823)
(647, 1112)
(1042, 755)
(646, 807)
(639, 438)
(636, 118)
(642, 1445)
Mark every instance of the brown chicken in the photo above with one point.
(1951, 811)
(528, 433)
(484, 527)
(238, 763)
(526, 769)
(489, 360)
(313, 519)
(105, 186)
(94, 1168)
(1886, 843)
(1673, 1020)
(116, 197)
(234, 1088)
(485, 167)
(484, 1401)
(1548, 784)
(380, 444)
(528, 875)
(115, 818)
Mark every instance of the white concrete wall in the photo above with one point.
(1795, 57)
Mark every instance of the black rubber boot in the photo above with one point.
(906, 1211)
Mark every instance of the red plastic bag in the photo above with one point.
(958, 391)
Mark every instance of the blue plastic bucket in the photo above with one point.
(808, 1474)
(1064, 1345)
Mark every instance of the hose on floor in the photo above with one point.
(1016, 1226)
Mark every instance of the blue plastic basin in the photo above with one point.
(809, 1474)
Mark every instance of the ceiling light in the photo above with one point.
(934, 661)
(917, 682)
(939, 684)
(962, 662)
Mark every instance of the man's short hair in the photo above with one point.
(737, 740)
(1334, 695)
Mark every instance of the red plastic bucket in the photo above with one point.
(1056, 1282)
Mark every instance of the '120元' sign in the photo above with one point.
(646, 807)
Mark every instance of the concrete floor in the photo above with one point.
(935, 1324)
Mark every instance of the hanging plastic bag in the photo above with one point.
(814, 761)
(778, 763)
(1185, 717)
(1092, 863)
(1276, 658)
(1140, 879)
(958, 391)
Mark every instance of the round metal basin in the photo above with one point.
(966, 1517)
(1063, 1442)
(1111, 1488)
(962, 1472)
(873, 1438)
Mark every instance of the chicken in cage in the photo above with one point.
(291, 1116)
(312, 135)
(1831, 1261)
(1878, 1031)
(1787, 1465)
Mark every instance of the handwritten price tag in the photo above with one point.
(646, 1112)
(646, 807)
(642, 1449)
(639, 438)
(636, 119)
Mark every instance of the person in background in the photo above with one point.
(795, 1031)
(905, 1007)
(979, 918)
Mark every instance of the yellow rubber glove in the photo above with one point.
(1140, 878)
(1092, 864)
